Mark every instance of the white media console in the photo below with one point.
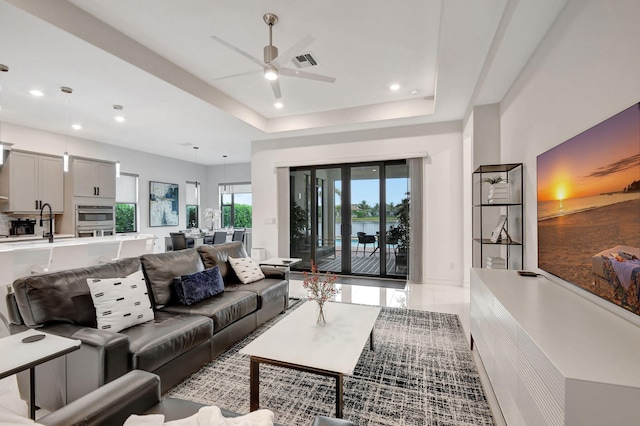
(552, 356)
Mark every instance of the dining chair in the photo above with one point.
(238, 235)
(179, 241)
(220, 237)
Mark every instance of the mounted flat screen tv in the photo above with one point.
(589, 210)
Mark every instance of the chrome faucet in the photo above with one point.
(50, 220)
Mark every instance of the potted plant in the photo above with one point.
(403, 231)
(298, 227)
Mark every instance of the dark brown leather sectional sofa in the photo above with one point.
(179, 340)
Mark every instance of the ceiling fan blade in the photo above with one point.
(306, 75)
(293, 50)
(238, 50)
(275, 86)
(224, 77)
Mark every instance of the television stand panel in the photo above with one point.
(552, 356)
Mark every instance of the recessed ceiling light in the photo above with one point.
(394, 87)
(119, 118)
(76, 126)
(36, 93)
(415, 92)
(278, 105)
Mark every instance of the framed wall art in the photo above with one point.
(163, 204)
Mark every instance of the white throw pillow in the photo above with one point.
(246, 269)
(120, 302)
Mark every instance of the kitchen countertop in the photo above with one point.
(27, 243)
(22, 238)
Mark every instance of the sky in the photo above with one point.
(605, 158)
(369, 191)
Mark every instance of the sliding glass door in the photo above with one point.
(315, 217)
(337, 213)
(365, 219)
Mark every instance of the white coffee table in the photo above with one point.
(297, 342)
(18, 356)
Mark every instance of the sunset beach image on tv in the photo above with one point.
(589, 210)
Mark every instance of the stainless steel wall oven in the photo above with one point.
(95, 221)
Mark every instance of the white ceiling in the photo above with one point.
(157, 59)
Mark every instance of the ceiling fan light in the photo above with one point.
(270, 72)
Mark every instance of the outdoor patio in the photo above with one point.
(363, 263)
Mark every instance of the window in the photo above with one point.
(235, 203)
(193, 204)
(127, 203)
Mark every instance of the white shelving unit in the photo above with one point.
(493, 204)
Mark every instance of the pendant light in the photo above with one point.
(3, 69)
(196, 183)
(65, 158)
(118, 108)
(224, 175)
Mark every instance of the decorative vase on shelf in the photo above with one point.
(320, 290)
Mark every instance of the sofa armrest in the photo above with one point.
(103, 357)
(330, 421)
(111, 404)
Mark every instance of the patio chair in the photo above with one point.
(364, 239)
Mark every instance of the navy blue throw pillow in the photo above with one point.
(199, 286)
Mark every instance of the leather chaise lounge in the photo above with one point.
(176, 343)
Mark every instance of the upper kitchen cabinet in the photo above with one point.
(94, 179)
(30, 180)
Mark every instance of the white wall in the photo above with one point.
(149, 167)
(443, 183)
(586, 70)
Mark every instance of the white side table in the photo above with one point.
(18, 356)
(280, 262)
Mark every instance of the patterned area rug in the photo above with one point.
(420, 373)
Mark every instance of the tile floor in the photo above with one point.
(425, 297)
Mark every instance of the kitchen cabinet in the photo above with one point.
(30, 180)
(94, 179)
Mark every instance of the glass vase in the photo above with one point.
(320, 320)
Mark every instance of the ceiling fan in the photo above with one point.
(271, 65)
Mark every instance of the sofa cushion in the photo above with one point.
(224, 308)
(267, 290)
(218, 254)
(246, 269)
(120, 302)
(63, 296)
(160, 269)
(198, 286)
(168, 336)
